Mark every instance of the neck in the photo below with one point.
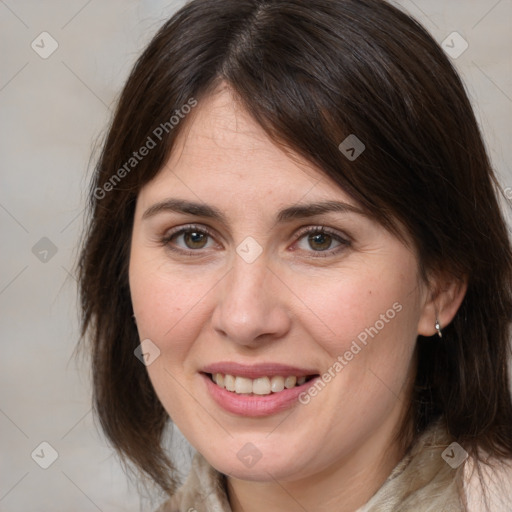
(344, 487)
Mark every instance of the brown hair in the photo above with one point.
(312, 73)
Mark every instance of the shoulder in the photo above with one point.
(204, 489)
(488, 485)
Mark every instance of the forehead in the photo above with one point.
(222, 152)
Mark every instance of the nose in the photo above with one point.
(251, 308)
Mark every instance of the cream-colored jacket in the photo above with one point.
(422, 482)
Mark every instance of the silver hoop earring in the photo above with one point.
(438, 328)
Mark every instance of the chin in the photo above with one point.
(258, 465)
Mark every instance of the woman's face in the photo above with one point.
(255, 267)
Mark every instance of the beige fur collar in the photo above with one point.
(422, 481)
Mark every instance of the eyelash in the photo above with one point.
(343, 241)
(310, 230)
(168, 237)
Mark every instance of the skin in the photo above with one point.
(295, 304)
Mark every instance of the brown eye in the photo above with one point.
(320, 241)
(189, 239)
(195, 239)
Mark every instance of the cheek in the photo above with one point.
(368, 330)
(168, 304)
(361, 306)
(170, 311)
(375, 320)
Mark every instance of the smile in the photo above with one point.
(260, 386)
(256, 397)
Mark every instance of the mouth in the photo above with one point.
(258, 390)
(260, 386)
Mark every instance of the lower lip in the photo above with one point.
(255, 405)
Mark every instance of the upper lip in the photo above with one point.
(255, 371)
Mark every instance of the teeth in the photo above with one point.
(229, 382)
(290, 382)
(277, 384)
(259, 386)
(243, 385)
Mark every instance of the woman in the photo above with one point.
(295, 205)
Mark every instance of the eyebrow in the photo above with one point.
(298, 211)
(187, 207)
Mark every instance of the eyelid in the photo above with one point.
(169, 234)
(341, 237)
(323, 229)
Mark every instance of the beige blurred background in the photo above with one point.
(53, 107)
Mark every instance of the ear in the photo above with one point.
(444, 296)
